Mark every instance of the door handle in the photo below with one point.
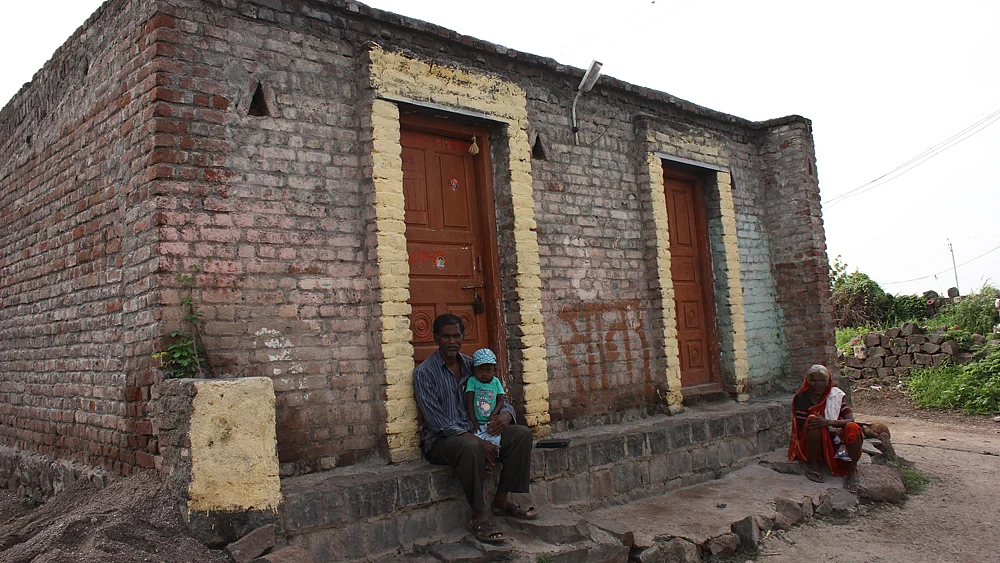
(474, 286)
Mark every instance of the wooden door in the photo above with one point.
(690, 269)
(447, 239)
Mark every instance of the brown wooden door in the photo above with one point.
(690, 269)
(444, 238)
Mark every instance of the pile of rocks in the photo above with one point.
(893, 353)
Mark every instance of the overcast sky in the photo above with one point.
(885, 83)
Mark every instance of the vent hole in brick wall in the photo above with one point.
(258, 104)
(537, 149)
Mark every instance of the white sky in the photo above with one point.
(881, 81)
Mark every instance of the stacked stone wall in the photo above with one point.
(76, 315)
(890, 355)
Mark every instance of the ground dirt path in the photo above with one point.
(956, 519)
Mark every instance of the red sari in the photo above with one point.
(799, 450)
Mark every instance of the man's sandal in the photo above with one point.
(512, 510)
(486, 532)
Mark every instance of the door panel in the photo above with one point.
(690, 270)
(444, 238)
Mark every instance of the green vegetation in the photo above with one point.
(915, 481)
(845, 335)
(861, 306)
(906, 309)
(185, 357)
(974, 312)
(859, 301)
(543, 558)
(974, 387)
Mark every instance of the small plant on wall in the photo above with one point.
(185, 357)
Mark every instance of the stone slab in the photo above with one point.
(699, 513)
(252, 545)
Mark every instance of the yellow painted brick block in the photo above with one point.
(399, 391)
(400, 370)
(535, 376)
(537, 366)
(401, 410)
(538, 407)
(537, 339)
(395, 293)
(396, 308)
(534, 353)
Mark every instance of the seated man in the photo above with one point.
(448, 438)
(823, 429)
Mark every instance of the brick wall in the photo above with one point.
(595, 278)
(765, 338)
(152, 161)
(274, 210)
(74, 312)
(794, 222)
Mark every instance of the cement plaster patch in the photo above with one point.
(234, 464)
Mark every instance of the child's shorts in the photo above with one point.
(495, 440)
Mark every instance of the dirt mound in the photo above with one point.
(131, 520)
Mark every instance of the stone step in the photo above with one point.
(471, 551)
(552, 526)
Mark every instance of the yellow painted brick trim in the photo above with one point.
(399, 77)
(671, 349)
(734, 286)
(394, 282)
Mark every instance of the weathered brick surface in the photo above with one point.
(76, 301)
(150, 162)
(798, 245)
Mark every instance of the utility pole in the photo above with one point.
(953, 268)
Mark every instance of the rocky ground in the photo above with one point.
(955, 519)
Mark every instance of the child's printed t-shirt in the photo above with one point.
(485, 397)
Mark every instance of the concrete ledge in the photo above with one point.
(218, 453)
(39, 477)
(364, 512)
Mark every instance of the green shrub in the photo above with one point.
(961, 337)
(974, 387)
(845, 335)
(975, 312)
(858, 301)
(906, 309)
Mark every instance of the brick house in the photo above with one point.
(342, 175)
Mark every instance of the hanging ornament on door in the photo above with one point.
(474, 148)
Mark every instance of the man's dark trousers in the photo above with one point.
(466, 456)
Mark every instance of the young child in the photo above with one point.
(484, 394)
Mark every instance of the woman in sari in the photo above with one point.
(823, 429)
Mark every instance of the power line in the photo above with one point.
(994, 249)
(921, 158)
